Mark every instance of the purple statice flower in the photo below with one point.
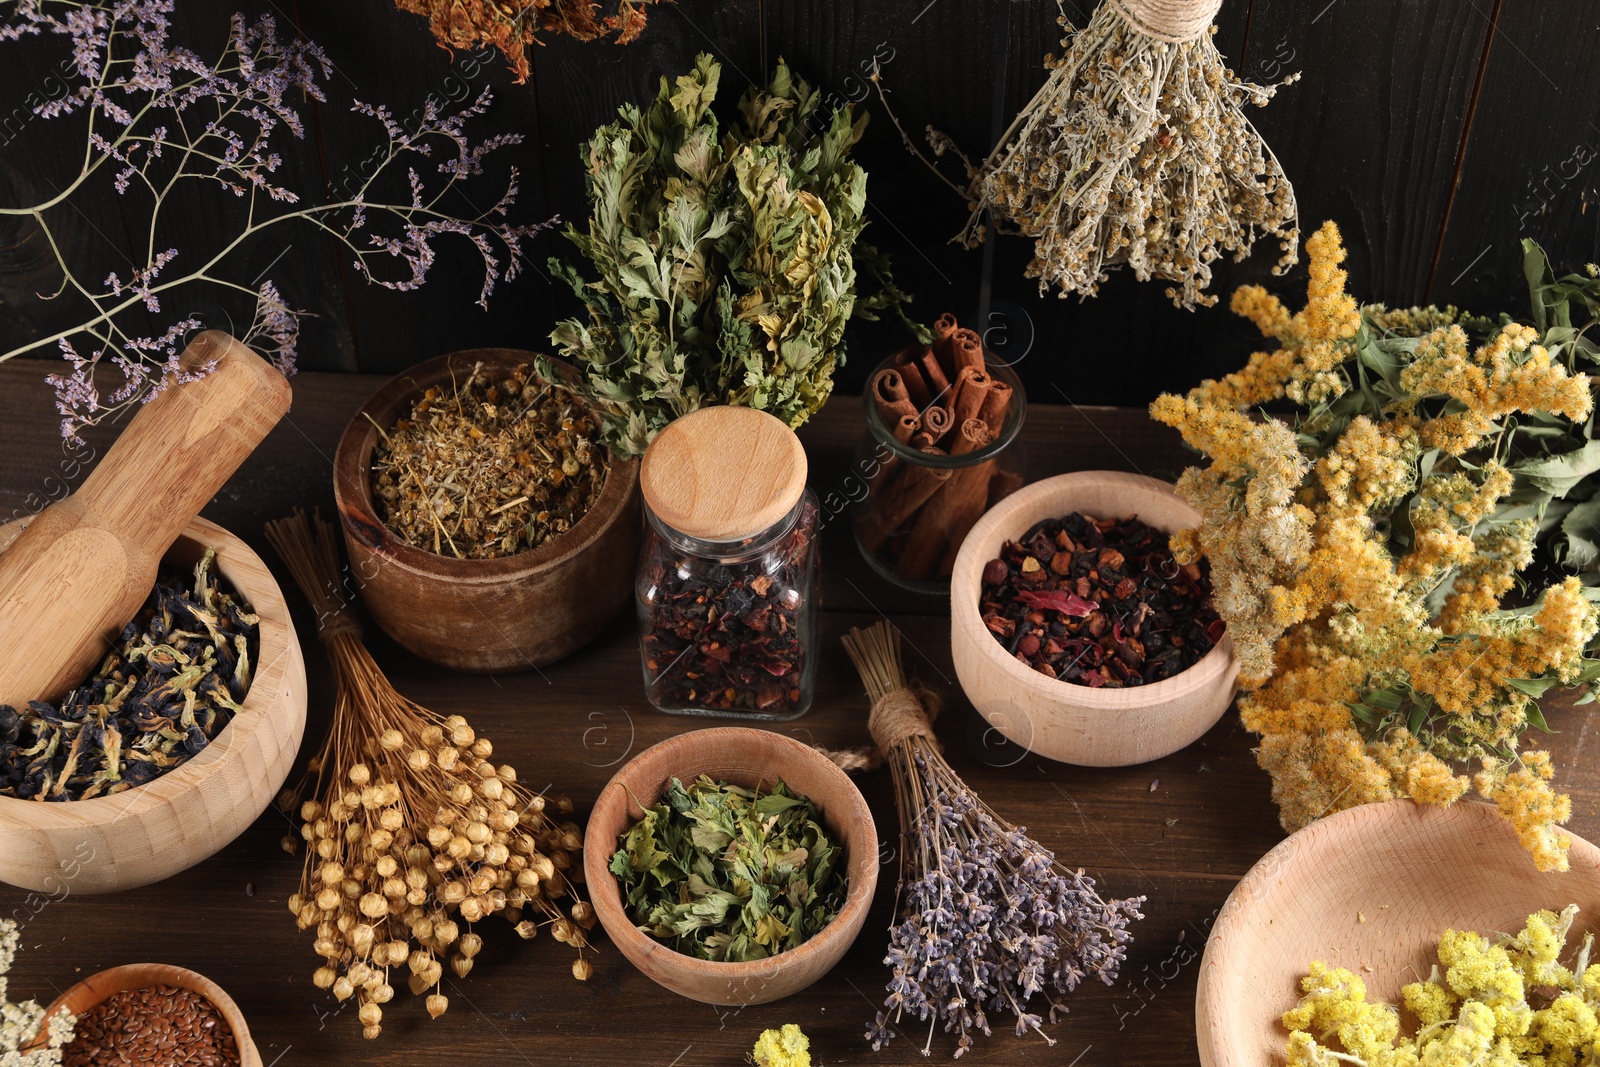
(158, 115)
(988, 920)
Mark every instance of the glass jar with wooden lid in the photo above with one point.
(728, 575)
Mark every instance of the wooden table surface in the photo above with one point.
(1181, 831)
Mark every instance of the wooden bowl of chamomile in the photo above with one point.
(1063, 720)
(1369, 889)
(747, 757)
(171, 823)
(98, 988)
(484, 616)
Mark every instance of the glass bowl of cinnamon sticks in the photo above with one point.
(941, 447)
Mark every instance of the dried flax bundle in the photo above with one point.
(987, 918)
(1136, 152)
(409, 826)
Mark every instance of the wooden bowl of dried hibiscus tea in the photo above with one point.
(731, 865)
(147, 1012)
(173, 746)
(488, 527)
(1074, 631)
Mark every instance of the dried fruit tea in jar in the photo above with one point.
(727, 578)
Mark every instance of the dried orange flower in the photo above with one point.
(512, 25)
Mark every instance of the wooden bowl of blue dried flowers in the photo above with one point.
(681, 783)
(158, 797)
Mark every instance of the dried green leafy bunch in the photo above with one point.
(726, 272)
(727, 873)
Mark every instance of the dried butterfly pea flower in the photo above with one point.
(176, 678)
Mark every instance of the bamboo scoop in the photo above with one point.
(83, 566)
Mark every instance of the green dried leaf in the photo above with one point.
(728, 873)
(726, 261)
(1560, 474)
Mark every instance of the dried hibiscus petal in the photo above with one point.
(1099, 602)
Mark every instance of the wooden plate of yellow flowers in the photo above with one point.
(1387, 920)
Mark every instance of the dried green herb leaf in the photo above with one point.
(728, 873)
(726, 260)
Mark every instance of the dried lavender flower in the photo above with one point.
(988, 919)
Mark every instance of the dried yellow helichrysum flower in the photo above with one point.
(1360, 551)
(1497, 1003)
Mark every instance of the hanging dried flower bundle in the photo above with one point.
(986, 918)
(512, 25)
(409, 826)
(1361, 550)
(1135, 152)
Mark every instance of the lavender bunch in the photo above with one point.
(988, 918)
(159, 122)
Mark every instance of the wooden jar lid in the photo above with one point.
(723, 473)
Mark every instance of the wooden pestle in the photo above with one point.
(82, 568)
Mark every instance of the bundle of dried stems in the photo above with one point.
(408, 824)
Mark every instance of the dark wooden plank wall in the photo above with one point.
(1437, 132)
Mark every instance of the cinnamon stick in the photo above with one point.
(902, 495)
(903, 430)
(937, 421)
(968, 503)
(1002, 485)
(966, 351)
(996, 407)
(972, 386)
(924, 549)
(889, 393)
(916, 386)
(937, 381)
(944, 329)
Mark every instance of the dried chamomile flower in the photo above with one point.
(492, 466)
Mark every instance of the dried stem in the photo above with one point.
(987, 918)
(409, 824)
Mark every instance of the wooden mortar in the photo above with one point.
(171, 823)
(86, 563)
(507, 614)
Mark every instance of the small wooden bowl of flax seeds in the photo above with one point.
(154, 1015)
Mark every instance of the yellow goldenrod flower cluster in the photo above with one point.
(1502, 1003)
(1359, 559)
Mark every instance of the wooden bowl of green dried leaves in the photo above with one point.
(692, 809)
(487, 527)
